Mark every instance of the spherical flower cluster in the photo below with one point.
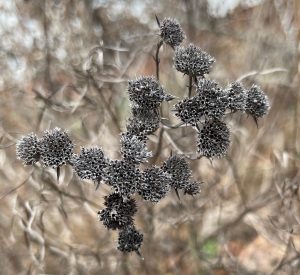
(214, 139)
(171, 32)
(123, 177)
(154, 184)
(130, 239)
(134, 148)
(143, 121)
(90, 164)
(27, 149)
(118, 212)
(210, 102)
(192, 61)
(178, 169)
(191, 188)
(56, 148)
(188, 110)
(146, 92)
(236, 97)
(257, 102)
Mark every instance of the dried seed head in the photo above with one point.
(123, 177)
(134, 148)
(154, 185)
(56, 148)
(192, 61)
(257, 102)
(146, 92)
(171, 32)
(188, 110)
(143, 121)
(236, 97)
(118, 212)
(214, 139)
(130, 239)
(178, 169)
(90, 163)
(211, 98)
(27, 149)
(192, 188)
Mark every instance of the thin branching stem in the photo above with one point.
(157, 59)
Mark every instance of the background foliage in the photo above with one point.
(66, 64)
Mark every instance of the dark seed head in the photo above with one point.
(214, 139)
(130, 239)
(56, 148)
(192, 61)
(257, 102)
(27, 149)
(171, 32)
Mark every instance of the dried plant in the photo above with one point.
(204, 109)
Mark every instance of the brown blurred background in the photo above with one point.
(66, 64)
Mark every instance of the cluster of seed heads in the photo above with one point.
(128, 177)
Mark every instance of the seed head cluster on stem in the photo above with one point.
(204, 108)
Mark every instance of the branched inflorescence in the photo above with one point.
(205, 110)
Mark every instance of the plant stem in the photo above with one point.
(157, 60)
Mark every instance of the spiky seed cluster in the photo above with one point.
(192, 188)
(146, 92)
(130, 239)
(179, 171)
(214, 139)
(236, 97)
(134, 148)
(27, 149)
(154, 185)
(56, 148)
(89, 164)
(171, 32)
(123, 177)
(188, 110)
(143, 121)
(257, 102)
(192, 61)
(210, 102)
(118, 212)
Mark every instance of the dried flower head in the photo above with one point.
(143, 121)
(130, 239)
(179, 171)
(192, 61)
(27, 149)
(188, 110)
(90, 164)
(192, 188)
(236, 97)
(171, 32)
(146, 92)
(134, 148)
(257, 102)
(56, 148)
(154, 185)
(212, 100)
(118, 212)
(214, 139)
(122, 176)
